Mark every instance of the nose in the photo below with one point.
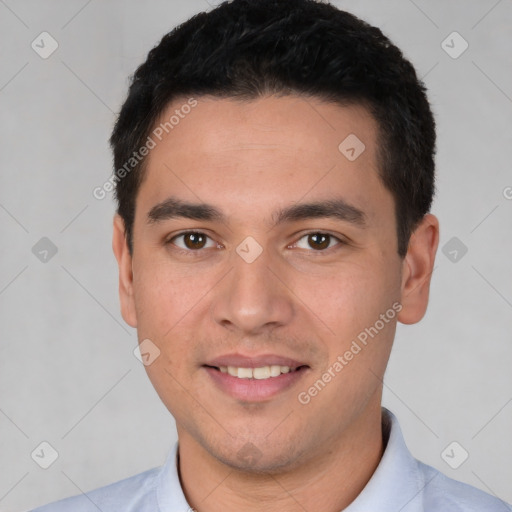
(254, 297)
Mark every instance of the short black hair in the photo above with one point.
(248, 49)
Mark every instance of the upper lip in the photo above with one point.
(241, 361)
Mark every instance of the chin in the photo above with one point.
(259, 457)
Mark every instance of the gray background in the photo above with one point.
(68, 375)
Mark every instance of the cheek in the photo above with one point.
(172, 308)
(350, 298)
(160, 297)
(356, 306)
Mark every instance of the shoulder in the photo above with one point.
(136, 493)
(443, 493)
(413, 486)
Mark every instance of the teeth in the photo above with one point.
(245, 373)
(264, 372)
(275, 370)
(260, 373)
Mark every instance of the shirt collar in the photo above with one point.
(169, 492)
(397, 483)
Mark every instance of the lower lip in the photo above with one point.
(254, 390)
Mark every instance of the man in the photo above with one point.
(274, 176)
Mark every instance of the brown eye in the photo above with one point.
(319, 241)
(194, 240)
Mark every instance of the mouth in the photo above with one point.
(255, 379)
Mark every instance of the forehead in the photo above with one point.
(304, 123)
(272, 150)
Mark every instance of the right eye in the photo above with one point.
(192, 241)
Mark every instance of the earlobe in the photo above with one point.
(417, 270)
(124, 262)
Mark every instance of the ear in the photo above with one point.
(417, 270)
(124, 261)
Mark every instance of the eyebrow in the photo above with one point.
(337, 208)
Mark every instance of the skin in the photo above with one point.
(250, 159)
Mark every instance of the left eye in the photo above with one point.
(193, 240)
(317, 241)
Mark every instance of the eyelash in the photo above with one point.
(195, 252)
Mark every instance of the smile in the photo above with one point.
(255, 384)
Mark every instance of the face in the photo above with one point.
(265, 274)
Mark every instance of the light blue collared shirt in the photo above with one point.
(399, 484)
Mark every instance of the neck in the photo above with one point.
(328, 481)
